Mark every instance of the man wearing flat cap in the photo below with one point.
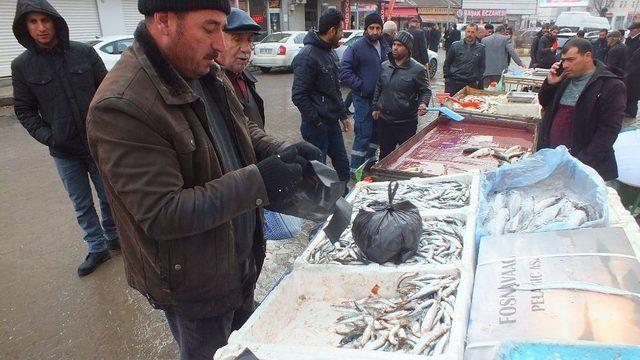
(238, 39)
(633, 70)
(402, 93)
(187, 174)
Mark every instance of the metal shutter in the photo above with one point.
(81, 16)
(8, 43)
(131, 15)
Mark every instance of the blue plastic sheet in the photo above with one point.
(548, 171)
(543, 351)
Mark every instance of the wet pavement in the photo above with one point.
(46, 311)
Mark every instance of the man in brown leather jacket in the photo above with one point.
(187, 174)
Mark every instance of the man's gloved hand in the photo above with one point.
(281, 174)
(307, 150)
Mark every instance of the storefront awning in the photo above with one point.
(437, 18)
(404, 13)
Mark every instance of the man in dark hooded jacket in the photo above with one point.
(583, 108)
(547, 48)
(54, 81)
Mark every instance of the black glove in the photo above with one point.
(281, 174)
(307, 150)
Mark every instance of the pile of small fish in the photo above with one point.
(440, 243)
(505, 156)
(514, 211)
(439, 195)
(416, 322)
(488, 103)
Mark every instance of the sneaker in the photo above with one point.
(113, 245)
(92, 261)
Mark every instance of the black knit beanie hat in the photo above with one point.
(148, 7)
(373, 18)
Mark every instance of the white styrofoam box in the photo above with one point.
(467, 260)
(297, 317)
(467, 213)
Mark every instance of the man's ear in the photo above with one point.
(161, 22)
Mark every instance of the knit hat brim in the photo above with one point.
(148, 7)
(371, 19)
(405, 38)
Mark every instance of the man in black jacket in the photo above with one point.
(547, 48)
(402, 94)
(316, 91)
(452, 36)
(464, 64)
(633, 70)
(419, 52)
(583, 108)
(54, 81)
(600, 45)
(535, 43)
(616, 57)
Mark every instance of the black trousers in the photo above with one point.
(392, 134)
(633, 95)
(452, 87)
(200, 338)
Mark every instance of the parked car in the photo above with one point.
(277, 50)
(111, 47)
(433, 57)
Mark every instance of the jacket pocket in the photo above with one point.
(42, 87)
(81, 76)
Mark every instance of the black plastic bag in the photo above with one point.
(387, 231)
(317, 195)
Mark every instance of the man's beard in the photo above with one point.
(372, 38)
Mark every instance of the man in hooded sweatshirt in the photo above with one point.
(54, 80)
(359, 70)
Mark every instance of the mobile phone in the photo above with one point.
(560, 69)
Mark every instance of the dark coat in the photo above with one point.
(464, 63)
(360, 66)
(454, 35)
(433, 38)
(420, 45)
(633, 44)
(400, 90)
(546, 55)
(52, 88)
(316, 86)
(388, 39)
(171, 199)
(616, 57)
(597, 120)
(534, 50)
(600, 48)
(633, 73)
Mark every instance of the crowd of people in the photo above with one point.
(173, 137)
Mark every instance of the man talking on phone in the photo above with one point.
(584, 104)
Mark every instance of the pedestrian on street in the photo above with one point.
(600, 45)
(433, 38)
(547, 48)
(420, 44)
(453, 36)
(481, 34)
(465, 63)
(489, 30)
(616, 57)
(498, 51)
(535, 43)
(359, 71)
(238, 38)
(633, 70)
(316, 92)
(389, 31)
(187, 174)
(583, 108)
(402, 94)
(53, 83)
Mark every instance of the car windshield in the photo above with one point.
(353, 39)
(277, 38)
(92, 42)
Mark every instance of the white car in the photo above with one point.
(277, 50)
(111, 47)
(356, 35)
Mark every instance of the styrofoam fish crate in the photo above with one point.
(467, 214)
(297, 320)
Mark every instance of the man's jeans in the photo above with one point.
(328, 138)
(364, 144)
(75, 174)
